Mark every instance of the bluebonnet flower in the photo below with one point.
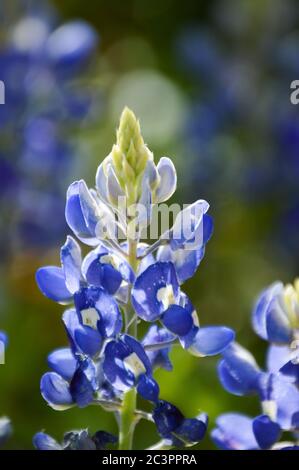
(177, 430)
(42, 64)
(75, 440)
(275, 318)
(121, 282)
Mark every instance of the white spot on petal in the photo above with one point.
(90, 317)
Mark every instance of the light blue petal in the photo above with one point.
(234, 432)
(238, 371)
(168, 180)
(42, 441)
(55, 390)
(211, 340)
(277, 356)
(71, 260)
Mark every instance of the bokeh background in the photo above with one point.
(210, 82)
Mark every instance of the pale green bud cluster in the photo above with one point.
(130, 155)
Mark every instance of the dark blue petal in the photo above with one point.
(55, 390)
(177, 320)
(238, 371)
(234, 432)
(148, 388)
(148, 286)
(88, 340)
(167, 418)
(78, 440)
(103, 438)
(192, 430)
(211, 340)
(84, 383)
(291, 370)
(42, 441)
(265, 431)
(51, 282)
(63, 362)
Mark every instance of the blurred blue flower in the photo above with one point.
(42, 65)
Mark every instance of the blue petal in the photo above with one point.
(63, 362)
(51, 282)
(71, 260)
(116, 353)
(159, 357)
(3, 338)
(177, 320)
(188, 229)
(55, 390)
(238, 371)
(277, 323)
(211, 340)
(109, 316)
(83, 339)
(265, 431)
(192, 430)
(168, 179)
(148, 388)
(167, 418)
(84, 383)
(261, 307)
(286, 397)
(146, 288)
(42, 441)
(81, 212)
(291, 370)
(73, 212)
(234, 432)
(186, 262)
(277, 356)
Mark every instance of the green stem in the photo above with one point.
(127, 420)
(127, 416)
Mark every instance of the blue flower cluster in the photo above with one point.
(120, 284)
(42, 65)
(275, 319)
